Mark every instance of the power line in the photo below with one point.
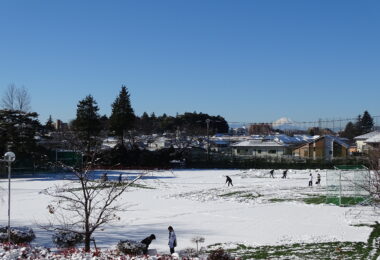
(328, 123)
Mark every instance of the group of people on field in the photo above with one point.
(172, 241)
(284, 175)
(285, 172)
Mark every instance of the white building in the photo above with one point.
(257, 148)
(373, 141)
(361, 141)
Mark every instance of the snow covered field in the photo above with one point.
(257, 210)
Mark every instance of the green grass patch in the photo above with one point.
(231, 194)
(315, 200)
(102, 186)
(345, 200)
(324, 251)
(242, 194)
(279, 200)
(330, 250)
(251, 196)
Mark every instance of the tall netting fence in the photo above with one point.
(348, 185)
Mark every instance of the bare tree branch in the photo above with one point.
(85, 204)
(16, 98)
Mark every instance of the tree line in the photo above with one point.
(20, 129)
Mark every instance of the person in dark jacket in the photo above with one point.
(271, 173)
(284, 174)
(229, 181)
(146, 241)
(318, 179)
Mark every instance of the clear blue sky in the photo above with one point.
(250, 61)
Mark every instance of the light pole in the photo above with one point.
(9, 157)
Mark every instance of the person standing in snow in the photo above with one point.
(172, 239)
(284, 173)
(146, 241)
(271, 173)
(318, 179)
(311, 180)
(120, 178)
(229, 181)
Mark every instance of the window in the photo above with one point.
(272, 151)
(258, 151)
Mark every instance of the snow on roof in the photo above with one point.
(257, 143)
(334, 138)
(220, 142)
(367, 135)
(296, 139)
(339, 141)
(374, 139)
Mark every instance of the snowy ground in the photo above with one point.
(257, 210)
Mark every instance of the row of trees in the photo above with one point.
(122, 122)
(19, 127)
(363, 124)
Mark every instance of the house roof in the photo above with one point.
(374, 139)
(257, 143)
(367, 135)
(339, 141)
(296, 139)
(335, 139)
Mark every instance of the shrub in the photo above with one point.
(19, 235)
(219, 254)
(66, 239)
(131, 247)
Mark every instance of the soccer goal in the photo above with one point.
(348, 185)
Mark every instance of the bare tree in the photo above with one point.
(9, 97)
(198, 240)
(16, 98)
(374, 175)
(85, 204)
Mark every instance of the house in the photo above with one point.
(373, 142)
(109, 143)
(361, 143)
(259, 148)
(160, 143)
(325, 147)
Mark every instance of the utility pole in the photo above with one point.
(208, 139)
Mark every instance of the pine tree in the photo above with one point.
(145, 124)
(49, 125)
(87, 123)
(17, 133)
(358, 125)
(366, 123)
(122, 117)
(350, 131)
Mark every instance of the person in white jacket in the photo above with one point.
(311, 180)
(172, 239)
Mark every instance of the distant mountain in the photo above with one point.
(284, 123)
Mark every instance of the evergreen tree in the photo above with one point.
(87, 124)
(366, 123)
(358, 125)
(49, 125)
(105, 123)
(145, 124)
(17, 133)
(350, 131)
(122, 117)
